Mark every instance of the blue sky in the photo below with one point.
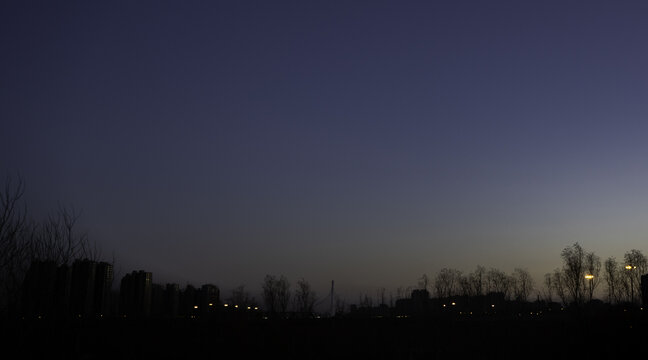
(367, 143)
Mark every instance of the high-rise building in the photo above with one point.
(82, 288)
(135, 294)
(39, 289)
(102, 288)
(172, 300)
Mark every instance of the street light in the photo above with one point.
(590, 277)
(630, 268)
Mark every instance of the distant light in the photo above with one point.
(492, 305)
(195, 306)
(628, 267)
(256, 308)
(236, 306)
(443, 305)
(226, 305)
(453, 304)
(589, 276)
(249, 308)
(210, 304)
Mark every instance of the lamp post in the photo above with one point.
(590, 277)
(631, 276)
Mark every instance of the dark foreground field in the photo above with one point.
(574, 336)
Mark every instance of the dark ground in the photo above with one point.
(575, 336)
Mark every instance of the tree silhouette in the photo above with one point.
(304, 298)
(447, 283)
(522, 284)
(548, 288)
(13, 240)
(276, 294)
(241, 298)
(592, 272)
(498, 282)
(574, 271)
(636, 264)
(558, 281)
(613, 280)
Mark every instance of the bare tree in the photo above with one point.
(14, 234)
(270, 296)
(592, 271)
(465, 285)
(522, 284)
(636, 264)
(304, 298)
(241, 298)
(548, 288)
(613, 279)
(283, 294)
(477, 280)
(57, 240)
(498, 282)
(558, 281)
(424, 282)
(574, 271)
(474, 283)
(276, 294)
(446, 283)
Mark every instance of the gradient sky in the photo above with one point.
(366, 142)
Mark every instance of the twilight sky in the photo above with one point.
(366, 142)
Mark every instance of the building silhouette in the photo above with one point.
(172, 300)
(51, 290)
(40, 289)
(102, 289)
(82, 289)
(135, 294)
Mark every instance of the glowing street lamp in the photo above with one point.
(590, 277)
(630, 268)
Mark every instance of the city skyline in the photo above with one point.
(366, 143)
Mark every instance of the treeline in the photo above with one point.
(24, 240)
(575, 283)
(278, 297)
(581, 274)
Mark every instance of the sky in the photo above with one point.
(365, 142)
